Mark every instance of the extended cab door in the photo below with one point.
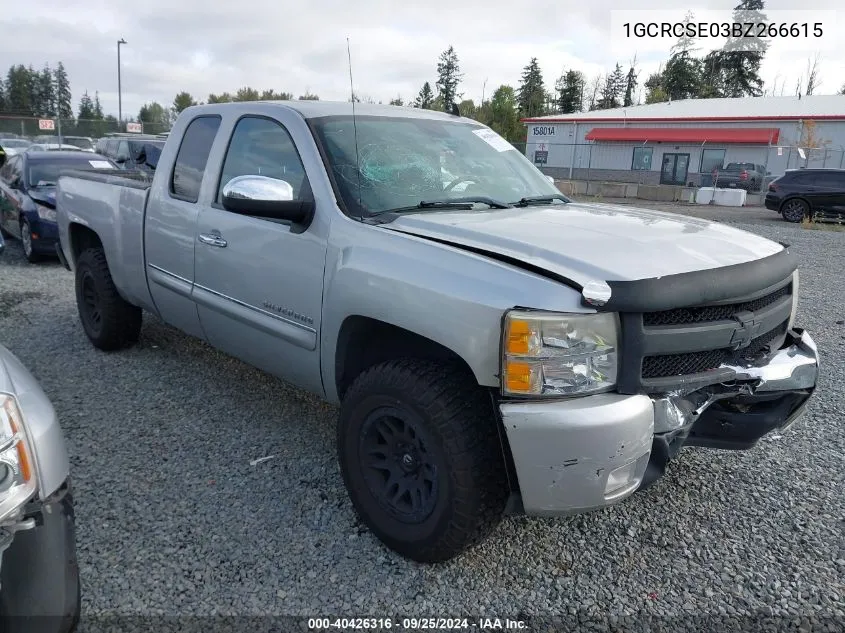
(259, 282)
(170, 227)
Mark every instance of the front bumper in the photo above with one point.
(47, 236)
(39, 576)
(571, 456)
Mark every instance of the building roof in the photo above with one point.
(730, 109)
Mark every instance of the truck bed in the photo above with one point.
(111, 203)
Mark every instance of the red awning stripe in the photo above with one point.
(762, 135)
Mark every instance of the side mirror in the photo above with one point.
(265, 197)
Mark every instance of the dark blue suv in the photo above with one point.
(28, 196)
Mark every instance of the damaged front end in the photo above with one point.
(736, 413)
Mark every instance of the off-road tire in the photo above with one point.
(108, 320)
(457, 425)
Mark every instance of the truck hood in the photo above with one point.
(585, 242)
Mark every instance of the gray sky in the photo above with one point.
(212, 46)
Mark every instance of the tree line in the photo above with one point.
(730, 71)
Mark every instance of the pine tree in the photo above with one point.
(397, 101)
(570, 91)
(425, 98)
(531, 95)
(614, 84)
(741, 57)
(64, 105)
(86, 107)
(712, 76)
(655, 92)
(630, 84)
(18, 91)
(47, 92)
(448, 77)
(246, 94)
(183, 100)
(682, 75)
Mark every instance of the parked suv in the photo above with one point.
(808, 193)
(132, 153)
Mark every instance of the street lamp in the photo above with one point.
(119, 94)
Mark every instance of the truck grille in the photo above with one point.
(702, 314)
(666, 349)
(696, 362)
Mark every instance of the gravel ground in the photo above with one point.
(175, 519)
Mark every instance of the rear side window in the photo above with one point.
(832, 179)
(192, 158)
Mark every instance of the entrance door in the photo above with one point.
(674, 170)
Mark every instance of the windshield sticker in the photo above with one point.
(493, 140)
(100, 164)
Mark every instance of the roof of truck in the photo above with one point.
(313, 109)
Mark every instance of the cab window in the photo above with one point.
(263, 147)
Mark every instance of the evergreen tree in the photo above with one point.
(224, 97)
(18, 91)
(570, 91)
(425, 98)
(712, 76)
(47, 92)
(448, 77)
(630, 84)
(531, 95)
(309, 96)
(2, 96)
(85, 117)
(614, 85)
(741, 57)
(397, 101)
(183, 100)
(267, 95)
(682, 75)
(64, 105)
(655, 92)
(504, 115)
(97, 107)
(246, 94)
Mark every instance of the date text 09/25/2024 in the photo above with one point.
(415, 624)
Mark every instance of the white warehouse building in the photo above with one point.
(682, 142)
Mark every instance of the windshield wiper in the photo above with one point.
(524, 202)
(463, 204)
(45, 183)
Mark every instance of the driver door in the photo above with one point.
(259, 282)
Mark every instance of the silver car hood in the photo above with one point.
(587, 242)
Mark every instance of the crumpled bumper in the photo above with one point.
(581, 454)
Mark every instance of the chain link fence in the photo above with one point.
(31, 128)
(671, 164)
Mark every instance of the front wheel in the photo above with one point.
(108, 320)
(795, 210)
(26, 240)
(421, 459)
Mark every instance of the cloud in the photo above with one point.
(205, 47)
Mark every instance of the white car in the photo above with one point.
(14, 146)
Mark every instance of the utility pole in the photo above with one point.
(119, 91)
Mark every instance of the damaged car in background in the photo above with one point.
(493, 345)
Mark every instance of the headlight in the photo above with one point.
(17, 470)
(555, 354)
(794, 300)
(46, 213)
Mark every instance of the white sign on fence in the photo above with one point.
(780, 151)
(135, 127)
(46, 124)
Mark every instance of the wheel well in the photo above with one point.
(364, 342)
(81, 239)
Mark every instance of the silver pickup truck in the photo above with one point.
(494, 347)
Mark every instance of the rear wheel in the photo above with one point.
(26, 240)
(795, 210)
(108, 320)
(421, 459)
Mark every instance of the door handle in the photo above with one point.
(212, 239)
